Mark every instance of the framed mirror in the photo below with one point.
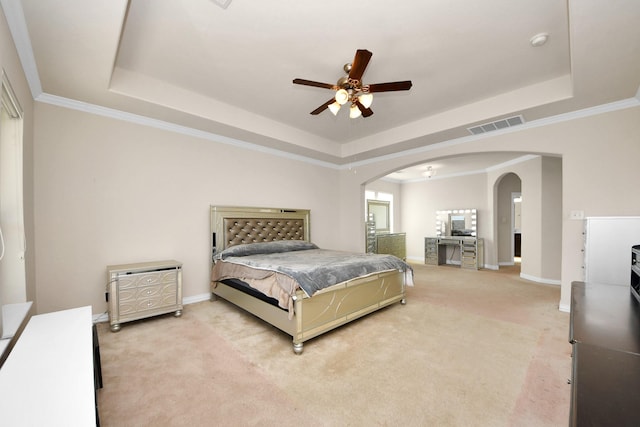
(457, 222)
(378, 211)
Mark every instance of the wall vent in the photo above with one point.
(497, 125)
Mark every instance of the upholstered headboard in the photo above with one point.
(237, 225)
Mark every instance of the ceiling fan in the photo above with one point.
(350, 88)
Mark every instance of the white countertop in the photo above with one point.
(48, 377)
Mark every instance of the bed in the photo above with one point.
(282, 292)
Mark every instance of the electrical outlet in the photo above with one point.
(576, 215)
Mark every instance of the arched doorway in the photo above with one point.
(509, 230)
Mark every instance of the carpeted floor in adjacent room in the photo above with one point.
(470, 348)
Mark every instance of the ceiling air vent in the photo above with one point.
(497, 125)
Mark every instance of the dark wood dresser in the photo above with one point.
(605, 333)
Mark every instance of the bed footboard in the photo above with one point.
(326, 310)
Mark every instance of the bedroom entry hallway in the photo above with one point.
(468, 349)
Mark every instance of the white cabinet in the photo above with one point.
(141, 290)
(608, 243)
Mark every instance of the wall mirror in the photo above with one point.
(457, 222)
(378, 211)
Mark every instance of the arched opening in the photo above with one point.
(509, 195)
(490, 186)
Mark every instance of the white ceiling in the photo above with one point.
(228, 72)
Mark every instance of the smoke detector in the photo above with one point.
(539, 39)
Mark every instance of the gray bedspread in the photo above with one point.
(313, 268)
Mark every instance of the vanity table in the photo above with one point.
(471, 250)
(456, 229)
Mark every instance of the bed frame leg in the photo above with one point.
(298, 347)
(403, 301)
(214, 297)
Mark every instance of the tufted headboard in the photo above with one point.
(237, 225)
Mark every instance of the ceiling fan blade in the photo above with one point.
(315, 84)
(323, 107)
(390, 87)
(359, 64)
(366, 112)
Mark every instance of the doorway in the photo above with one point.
(516, 226)
(508, 219)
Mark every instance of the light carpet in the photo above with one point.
(470, 348)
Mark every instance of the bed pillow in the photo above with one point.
(265, 248)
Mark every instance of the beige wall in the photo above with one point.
(551, 245)
(422, 199)
(110, 192)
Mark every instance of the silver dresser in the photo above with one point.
(136, 291)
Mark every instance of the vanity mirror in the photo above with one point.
(457, 222)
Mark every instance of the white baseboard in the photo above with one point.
(196, 298)
(540, 280)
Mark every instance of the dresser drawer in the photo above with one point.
(139, 305)
(450, 241)
(134, 280)
(143, 292)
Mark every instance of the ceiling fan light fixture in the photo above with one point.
(342, 96)
(429, 172)
(350, 88)
(354, 111)
(366, 99)
(334, 108)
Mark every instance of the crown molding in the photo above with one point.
(172, 127)
(18, 28)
